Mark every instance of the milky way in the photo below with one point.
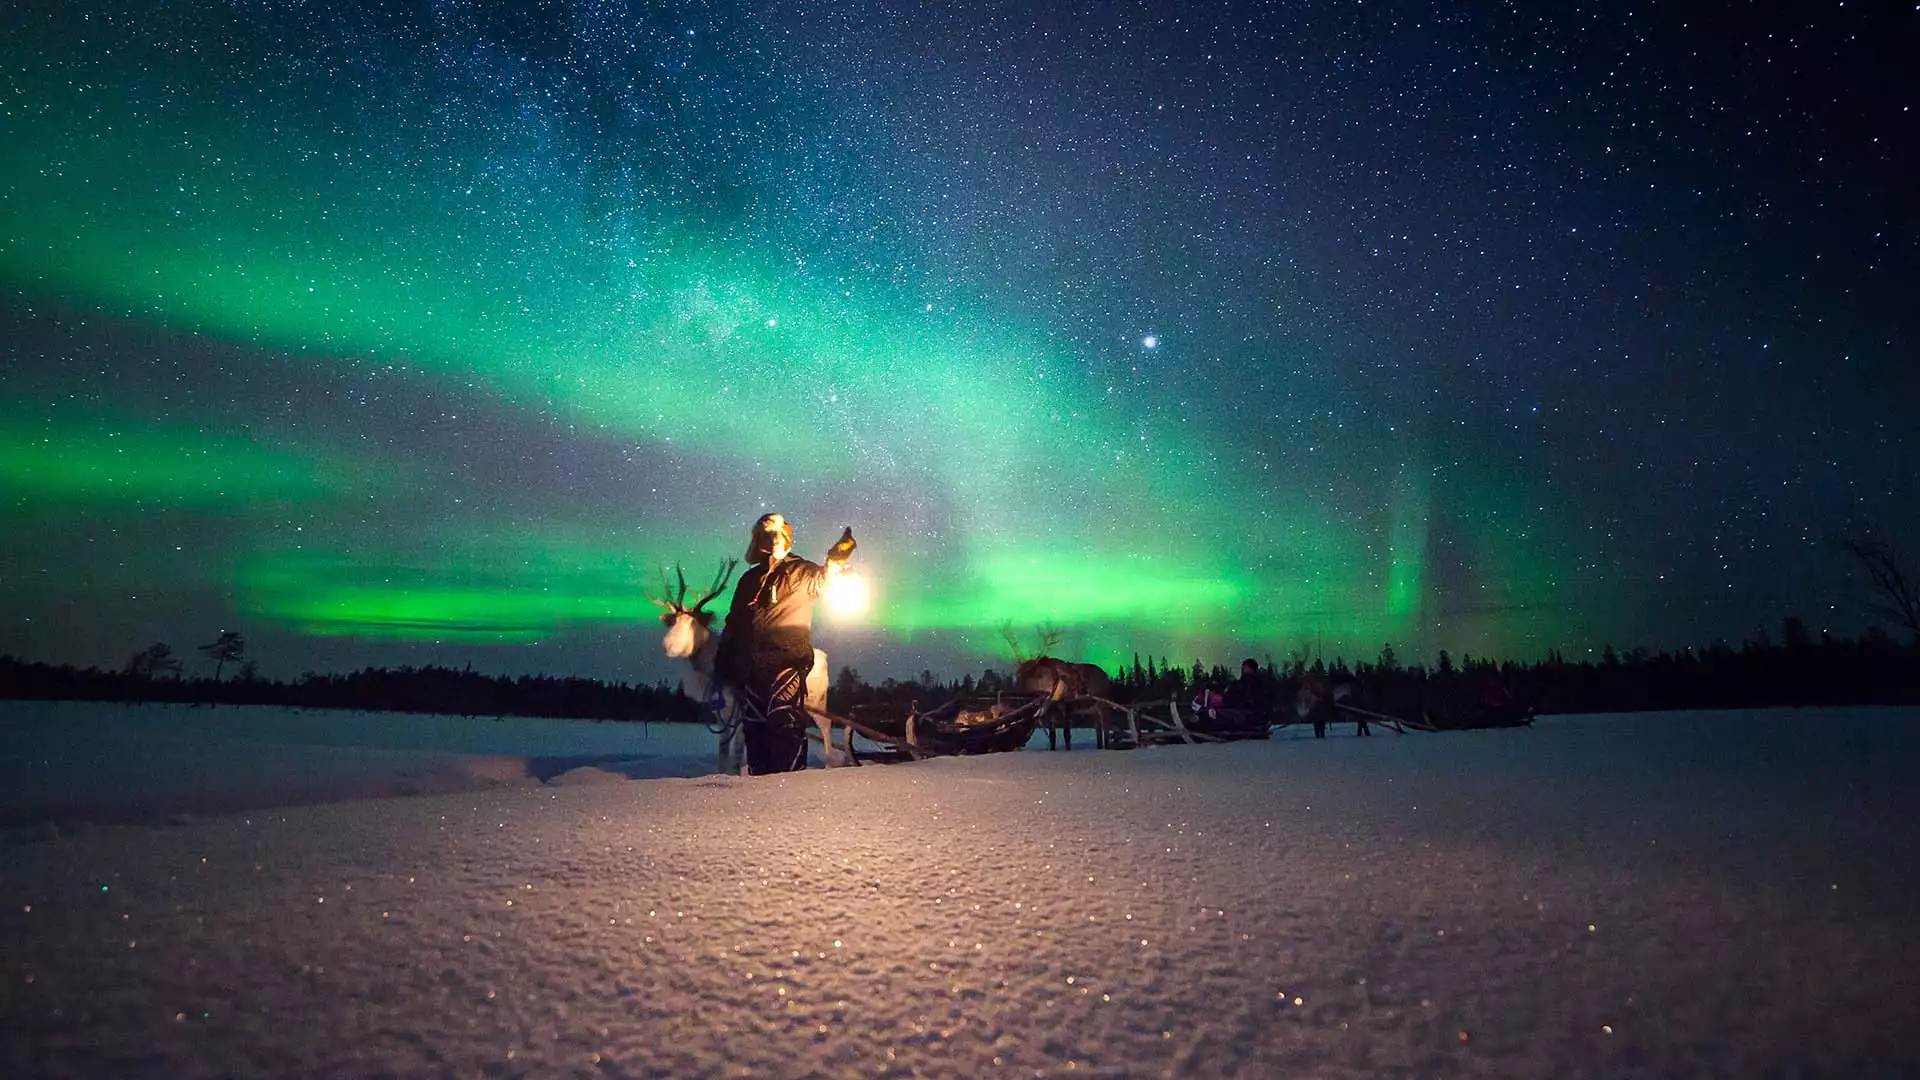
(432, 332)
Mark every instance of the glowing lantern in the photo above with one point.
(848, 594)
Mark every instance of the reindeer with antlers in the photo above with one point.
(690, 637)
(1070, 687)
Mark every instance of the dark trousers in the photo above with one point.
(777, 720)
(774, 747)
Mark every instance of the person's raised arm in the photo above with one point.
(841, 551)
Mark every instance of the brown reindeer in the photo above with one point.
(1318, 701)
(1068, 686)
(690, 637)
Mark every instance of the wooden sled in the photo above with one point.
(959, 727)
(1510, 715)
(1158, 723)
(1500, 716)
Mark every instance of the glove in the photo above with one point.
(842, 549)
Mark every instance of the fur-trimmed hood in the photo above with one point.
(760, 540)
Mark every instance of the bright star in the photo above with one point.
(1150, 342)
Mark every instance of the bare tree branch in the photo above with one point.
(1893, 593)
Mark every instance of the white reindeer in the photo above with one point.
(690, 637)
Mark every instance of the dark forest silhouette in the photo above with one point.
(403, 689)
(1798, 670)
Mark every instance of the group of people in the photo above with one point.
(766, 647)
(1252, 694)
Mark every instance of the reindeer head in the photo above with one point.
(688, 625)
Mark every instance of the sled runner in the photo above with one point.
(1513, 714)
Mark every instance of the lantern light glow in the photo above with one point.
(848, 594)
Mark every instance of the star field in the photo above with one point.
(430, 332)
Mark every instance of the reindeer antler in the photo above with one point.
(668, 598)
(1049, 637)
(1014, 647)
(719, 583)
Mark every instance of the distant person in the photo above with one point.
(1206, 702)
(1314, 703)
(1343, 692)
(1494, 694)
(766, 648)
(1251, 694)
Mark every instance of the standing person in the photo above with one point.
(1250, 693)
(766, 648)
(1342, 693)
(1314, 702)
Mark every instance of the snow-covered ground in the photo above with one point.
(101, 762)
(1710, 894)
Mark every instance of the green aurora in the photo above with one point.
(998, 472)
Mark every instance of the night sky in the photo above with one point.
(428, 333)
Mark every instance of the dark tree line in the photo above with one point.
(156, 676)
(1798, 670)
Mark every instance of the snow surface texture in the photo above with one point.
(102, 762)
(1652, 896)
